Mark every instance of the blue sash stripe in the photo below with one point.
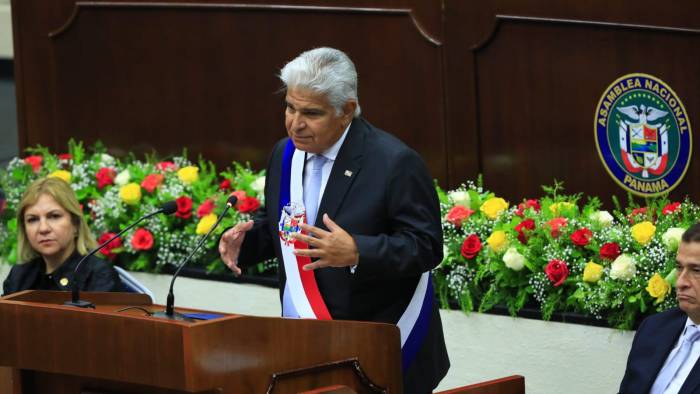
(420, 329)
(285, 179)
(288, 309)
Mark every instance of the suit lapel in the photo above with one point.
(346, 167)
(664, 345)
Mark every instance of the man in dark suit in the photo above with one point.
(376, 230)
(666, 348)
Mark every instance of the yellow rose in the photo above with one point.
(205, 224)
(658, 288)
(643, 232)
(592, 272)
(61, 174)
(493, 207)
(188, 175)
(560, 206)
(130, 193)
(497, 241)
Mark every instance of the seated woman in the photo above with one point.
(52, 237)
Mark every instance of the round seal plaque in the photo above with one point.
(643, 134)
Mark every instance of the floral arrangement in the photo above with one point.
(115, 192)
(560, 254)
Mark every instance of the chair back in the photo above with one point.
(131, 284)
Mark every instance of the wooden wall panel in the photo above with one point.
(163, 76)
(525, 78)
(506, 88)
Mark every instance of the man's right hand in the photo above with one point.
(230, 245)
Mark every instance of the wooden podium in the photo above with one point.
(52, 348)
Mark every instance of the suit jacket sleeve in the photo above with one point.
(258, 242)
(630, 372)
(413, 243)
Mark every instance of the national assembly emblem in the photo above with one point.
(643, 134)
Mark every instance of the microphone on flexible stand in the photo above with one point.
(169, 312)
(167, 208)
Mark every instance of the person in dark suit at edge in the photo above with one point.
(374, 229)
(665, 351)
(52, 237)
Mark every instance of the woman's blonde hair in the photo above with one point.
(60, 191)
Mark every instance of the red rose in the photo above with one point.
(555, 225)
(610, 251)
(557, 272)
(523, 228)
(34, 161)
(166, 166)
(581, 237)
(205, 208)
(105, 176)
(471, 246)
(641, 214)
(240, 195)
(247, 204)
(152, 181)
(534, 204)
(142, 240)
(671, 208)
(225, 184)
(184, 207)
(107, 249)
(65, 156)
(639, 211)
(458, 214)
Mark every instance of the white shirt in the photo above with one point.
(675, 385)
(330, 154)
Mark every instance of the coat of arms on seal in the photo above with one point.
(291, 216)
(643, 134)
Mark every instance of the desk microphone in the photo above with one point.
(167, 208)
(169, 312)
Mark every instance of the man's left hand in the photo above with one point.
(334, 248)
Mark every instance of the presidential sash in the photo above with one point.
(301, 297)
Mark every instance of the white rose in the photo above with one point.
(258, 185)
(460, 198)
(122, 178)
(623, 268)
(513, 259)
(672, 237)
(106, 160)
(604, 218)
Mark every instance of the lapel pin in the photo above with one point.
(348, 173)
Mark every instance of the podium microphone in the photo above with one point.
(167, 208)
(169, 312)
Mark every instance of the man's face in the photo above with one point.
(688, 282)
(311, 121)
